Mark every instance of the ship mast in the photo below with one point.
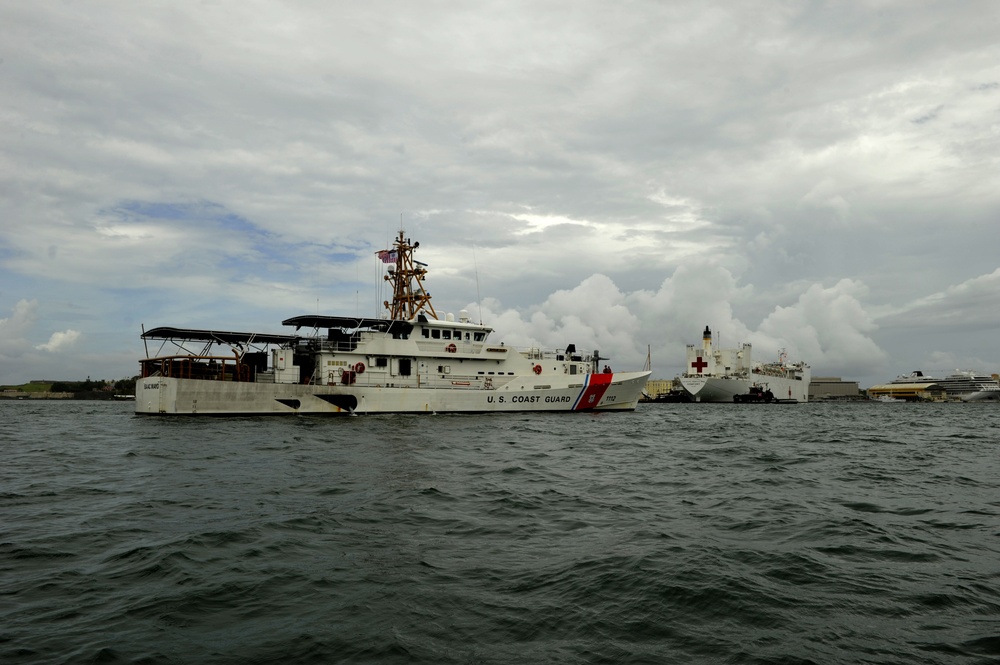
(408, 294)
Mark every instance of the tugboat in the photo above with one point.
(757, 394)
(409, 361)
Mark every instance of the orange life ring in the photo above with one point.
(451, 348)
(360, 368)
(537, 369)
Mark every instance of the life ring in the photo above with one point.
(537, 369)
(451, 348)
(360, 368)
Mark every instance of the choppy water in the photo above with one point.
(677, 534)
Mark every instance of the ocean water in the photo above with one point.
(681, 533)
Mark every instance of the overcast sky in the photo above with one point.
(820, 177)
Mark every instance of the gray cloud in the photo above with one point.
(814, 177)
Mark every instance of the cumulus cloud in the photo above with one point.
(15, 331)
(828, 327)
(60, 341)
(19, 323)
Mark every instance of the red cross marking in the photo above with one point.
(699, 364)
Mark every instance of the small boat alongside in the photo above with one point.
(673, 396)
(756, 395)
(410, 361)
(761, 395)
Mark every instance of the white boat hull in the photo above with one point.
(982, 396)
(725, 388)
(592, 392)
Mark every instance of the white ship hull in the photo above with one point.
(989, 395)
(725, 388)
(590, 392)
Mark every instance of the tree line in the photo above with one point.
(90, 389)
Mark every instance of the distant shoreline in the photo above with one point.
(25, 396)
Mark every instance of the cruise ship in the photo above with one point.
(964, 385)
(410, 361)
(726, 375)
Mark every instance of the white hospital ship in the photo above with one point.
(720, 375)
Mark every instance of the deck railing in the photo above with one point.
(208, 368)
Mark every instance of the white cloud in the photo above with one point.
(827, 327)
(60, 341)
(18, 325)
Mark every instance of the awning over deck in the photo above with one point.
(349, 323)
(219, 336)
(346, 322)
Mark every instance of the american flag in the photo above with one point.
(387, 256)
